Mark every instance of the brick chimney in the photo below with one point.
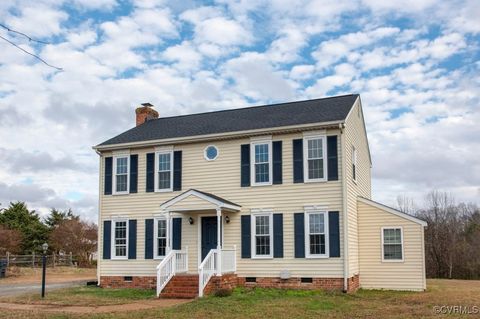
(145, 113)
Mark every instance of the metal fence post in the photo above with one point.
(71, 259)
(33, 259)
(8, 259)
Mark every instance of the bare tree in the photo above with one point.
(77, 237)
(10, 240)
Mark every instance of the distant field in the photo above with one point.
(271, 303)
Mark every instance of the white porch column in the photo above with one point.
(169, 232)
(219, 241)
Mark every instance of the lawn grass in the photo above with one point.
(273, 303)
(84, 296)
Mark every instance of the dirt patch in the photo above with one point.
(54, 275)
(142, 305)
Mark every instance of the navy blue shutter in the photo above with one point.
(246, 236)
(245, 165)
(332, 158)
(132, 239)
(299, 229)
(133, 173)
(277, 162)
(107, 237)
(148, 238)
(278, 235)
(108, 175)
(177, 170)
(177, 233)
(334, 233)
(298, 161)
(150, 182)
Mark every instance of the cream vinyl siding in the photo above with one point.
(375, 274)
(355, 136)
(222, 178)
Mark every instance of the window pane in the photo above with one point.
(164, 162)
(162, 228)
(262, 225)
(121, 183)
(261, 153)
(262, 173)
(122, 167)
(315, 168)
(120, 238)
(315, 148)
(162, 246)
(392, 236)
(164, 180)
(317, 244)
(316, 223)
(392, 251)
(263, 245)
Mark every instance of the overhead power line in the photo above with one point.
(25, 51)
(23, 34)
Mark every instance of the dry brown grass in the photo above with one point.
(25, 275)
(270, 303)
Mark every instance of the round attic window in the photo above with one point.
(211, 153)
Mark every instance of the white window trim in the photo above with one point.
(155, 236)
(252, 162)
(163, 190)
(307, 235)
(253, 233)
(382, 244)
(205, 153)
(354, 163)
(324, 157)
(112, 249)
(115, 175)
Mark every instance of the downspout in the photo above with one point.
(345, 213)
(99, 258)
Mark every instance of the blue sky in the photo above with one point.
(415, 63)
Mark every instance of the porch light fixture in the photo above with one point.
(190, 220)
(227, 219)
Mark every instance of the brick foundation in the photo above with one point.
(293, 283)
(147, 282)
(353, 284)
(227, 281)
(230, 281)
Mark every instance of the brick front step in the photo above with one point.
(181, 286)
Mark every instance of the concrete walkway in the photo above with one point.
(141, 305)
(23, 288)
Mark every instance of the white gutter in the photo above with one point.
(345, 209)
(216, 136)
(99, 258)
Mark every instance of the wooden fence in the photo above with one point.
(35, 260)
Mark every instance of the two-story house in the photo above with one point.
(267, 196)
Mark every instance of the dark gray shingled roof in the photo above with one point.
(248, 118)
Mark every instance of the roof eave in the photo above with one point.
(217, 136)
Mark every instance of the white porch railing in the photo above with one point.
(216, 263)
(176, 261)
(207, 269)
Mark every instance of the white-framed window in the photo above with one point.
(354, 163)
(316, 235)
(262, 235)
(120, 239)
(121, 174)
(164, 171)
(261, 163)
(210, 153)
(315, 158)
(392, 244)
(161, 237)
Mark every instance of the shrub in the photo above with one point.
(222, 292)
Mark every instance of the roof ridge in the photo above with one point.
(254, 106)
